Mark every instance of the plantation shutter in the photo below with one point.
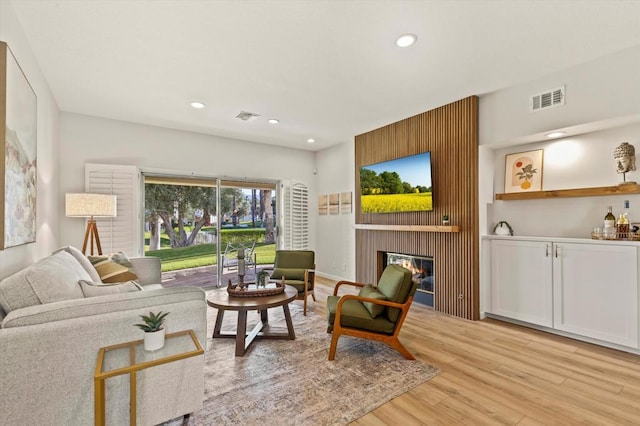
(123, 232)
(295, 216)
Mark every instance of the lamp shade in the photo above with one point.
(90, 205)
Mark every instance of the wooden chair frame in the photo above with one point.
(391, 340)
(307, 292)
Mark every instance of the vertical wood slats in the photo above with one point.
(451, 134)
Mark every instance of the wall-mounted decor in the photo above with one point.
(323, 204)
(346, 202)
(334, 203)
(523, 171)
(18, 108)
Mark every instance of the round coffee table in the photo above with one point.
(223, 302)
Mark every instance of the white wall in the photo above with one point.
(601, 111)
(86, 139)
(336, 237)
(604, 89)
(14, 258)
(583, 161)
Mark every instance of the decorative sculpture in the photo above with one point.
(625, 156)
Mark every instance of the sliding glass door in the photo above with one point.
(196, 225)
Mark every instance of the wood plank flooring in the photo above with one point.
(498, 373)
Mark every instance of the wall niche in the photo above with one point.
(450, 133)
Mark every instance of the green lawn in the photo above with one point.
(204, 255)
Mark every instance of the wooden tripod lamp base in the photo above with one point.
(92, 234)
(91, 205)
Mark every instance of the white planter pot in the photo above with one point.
(154, 341)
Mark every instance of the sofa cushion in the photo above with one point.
(52, 279)
(93, 289)
(370, 292)
(82, 260)
(355, 315)
(115, 268)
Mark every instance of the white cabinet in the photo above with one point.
(595, 291)
(585, 288)
(521, 279)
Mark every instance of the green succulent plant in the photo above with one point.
(152, 322)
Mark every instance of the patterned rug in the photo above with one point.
(291, 382)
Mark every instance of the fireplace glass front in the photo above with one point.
(422, 269)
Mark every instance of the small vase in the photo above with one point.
(154, 340)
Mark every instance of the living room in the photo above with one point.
(601, 110)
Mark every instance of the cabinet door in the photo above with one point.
(521, 281)
(596, 291)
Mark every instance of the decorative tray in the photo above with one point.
(252, 290)
(619, 236)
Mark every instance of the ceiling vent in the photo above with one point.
(247, 116)
(548, 99)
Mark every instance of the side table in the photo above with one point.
(138, 359)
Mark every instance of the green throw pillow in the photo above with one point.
(288, 273)
(371, 292)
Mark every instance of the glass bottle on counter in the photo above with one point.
(626, 211)
(609, 229)
(622, 228)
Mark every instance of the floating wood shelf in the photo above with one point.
(412, 228)
(566, 193)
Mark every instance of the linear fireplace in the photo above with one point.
(422, 269)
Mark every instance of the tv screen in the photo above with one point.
(400, 185)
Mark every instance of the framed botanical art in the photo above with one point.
(18, 108)
(523, 171)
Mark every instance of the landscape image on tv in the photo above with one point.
(400, 185)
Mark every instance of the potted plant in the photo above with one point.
(261, 278)
(445, 219)
(153, 327)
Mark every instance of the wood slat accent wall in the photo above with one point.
(451, 134)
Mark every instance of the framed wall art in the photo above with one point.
(334, 203)
(345, 202)
(18, 126)
(323, 205)
(523, 171)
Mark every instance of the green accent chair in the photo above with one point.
(376, 313)
(297, 267)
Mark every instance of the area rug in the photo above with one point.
(291, 382)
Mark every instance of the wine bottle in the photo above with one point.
(609, 229)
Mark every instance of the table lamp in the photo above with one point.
(91, 206)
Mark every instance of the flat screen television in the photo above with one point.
(400, 185)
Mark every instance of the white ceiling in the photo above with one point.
(328, 70)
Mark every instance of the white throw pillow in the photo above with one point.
(93, 289)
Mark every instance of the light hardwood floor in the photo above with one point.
(498, 373)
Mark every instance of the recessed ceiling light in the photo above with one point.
(273, 121)
(406, 40)
(197, 105)
(555, 134)
(311, 140)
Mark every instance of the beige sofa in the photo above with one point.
(50, 336)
